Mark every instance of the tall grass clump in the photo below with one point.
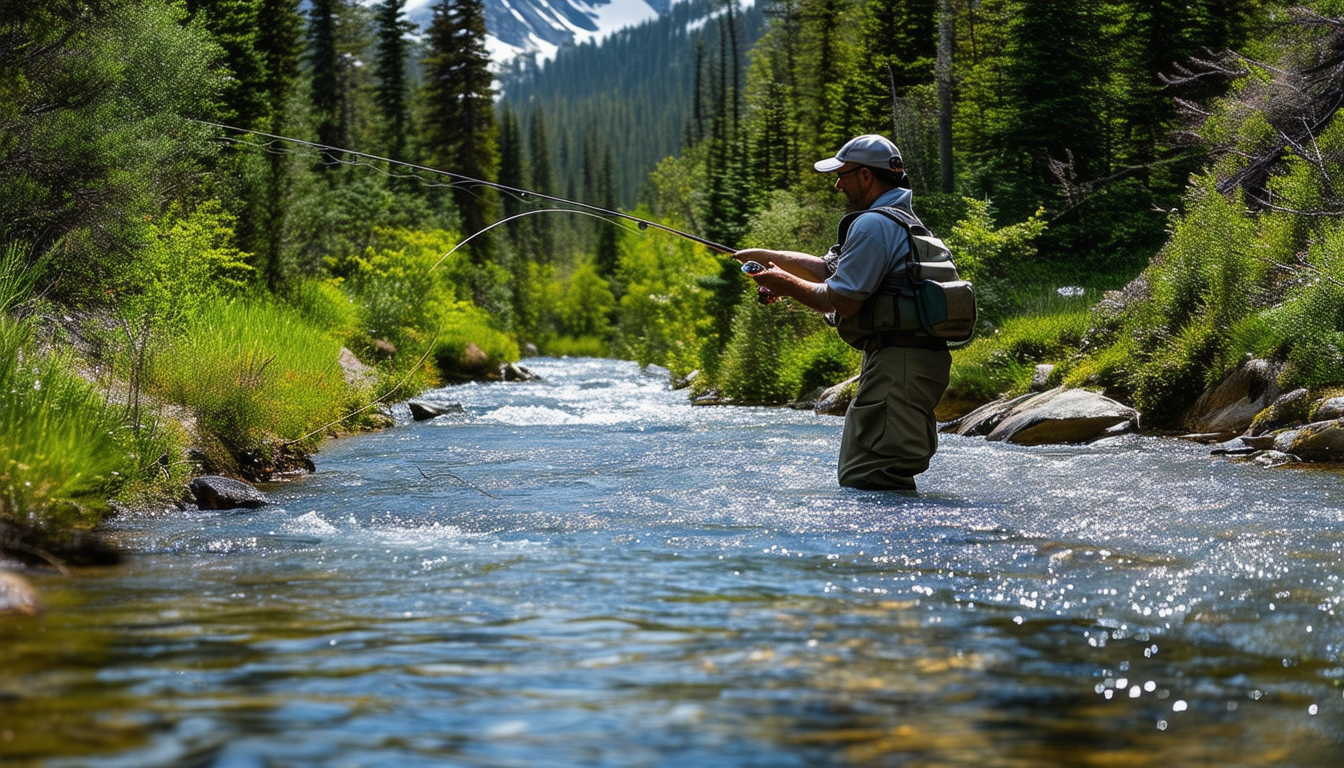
(63, 449)
(255, 373)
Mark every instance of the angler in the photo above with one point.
(890, 431)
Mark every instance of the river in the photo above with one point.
(588, 571)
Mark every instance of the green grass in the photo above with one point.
(63, 450)
(1004, 362)
(253, 372)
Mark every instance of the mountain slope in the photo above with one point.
(541, 27)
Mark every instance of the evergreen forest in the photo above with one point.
(199, 212)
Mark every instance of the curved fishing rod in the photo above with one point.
(642, 223)
(483, 230)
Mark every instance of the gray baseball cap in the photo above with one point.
(869, 149)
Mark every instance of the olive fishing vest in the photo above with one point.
(925, 298)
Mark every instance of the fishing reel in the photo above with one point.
(764, 296)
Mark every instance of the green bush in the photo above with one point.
(469, 328)
(664, 317)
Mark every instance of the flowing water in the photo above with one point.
(588, 571)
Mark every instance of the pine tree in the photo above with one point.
(278, 42)
(897, 49)
(233, 23)
(390, 68)
(325, 65)
(511, 169)
(460, 127)
(543, 181)
(608, 253)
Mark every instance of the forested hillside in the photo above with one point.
(641, 96)
(195, 218)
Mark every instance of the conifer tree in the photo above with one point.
(897, 48)
(608, 253)
(461, 133)
(279, 29)
(542, 178)
(234, 25)
(325, 65)
(390, 69)
(511, 169)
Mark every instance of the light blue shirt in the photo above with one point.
(874, 249)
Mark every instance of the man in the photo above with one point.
(890, 431)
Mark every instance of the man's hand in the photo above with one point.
(814, 294)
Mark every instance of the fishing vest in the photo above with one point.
(927, 298)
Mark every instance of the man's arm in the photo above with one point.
(803, 265)
(812, 293)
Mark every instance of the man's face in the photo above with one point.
(855, 182)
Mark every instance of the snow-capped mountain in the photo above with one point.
(543, 26)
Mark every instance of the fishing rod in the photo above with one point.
(643, 224)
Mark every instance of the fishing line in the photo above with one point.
(463, 178)
(468, 239)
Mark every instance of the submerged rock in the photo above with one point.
(17, 596)
(1234, 403)
(215, 492)
(516, 372)
(1057, 416)
(423, 411)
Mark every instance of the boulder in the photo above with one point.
(474, 359)
(215, 492)
(357, 374)
(384, 349)
(983, 420)
(1330, 409)
(1275, 459)
(835, 400)
(1321, 441)
(1234, 402)
(516, 372)
(1057, 416)
(1287, 409)
(423, 411)
(17, 596)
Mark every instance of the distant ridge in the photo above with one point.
(541, 27)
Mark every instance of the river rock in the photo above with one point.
(1330, 409)
(834, 401)
(1275, 459)
(17, 596)
(424, 411)
(1287, 409)
(1234, 402)
(983, 420)
(1321, 441)
(215, 492)
(516, 372)
(357, 374)
(809, 401)
(682, 382)
(1058, 416)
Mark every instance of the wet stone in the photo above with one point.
(215, 492)
(424, 411)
